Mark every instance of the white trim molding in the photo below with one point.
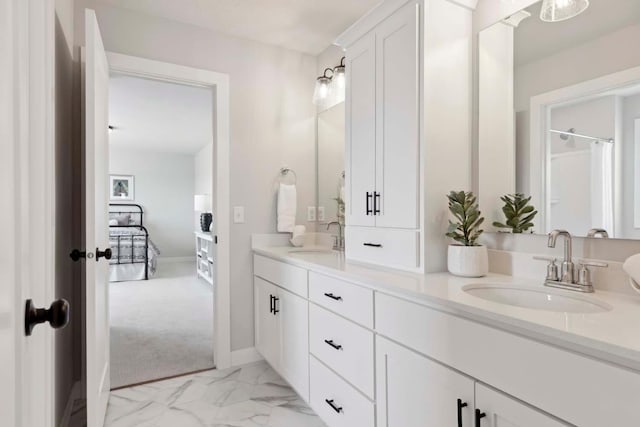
(219, 84)
(245, 356)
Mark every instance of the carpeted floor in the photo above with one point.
(160, 327)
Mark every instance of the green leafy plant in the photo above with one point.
(518, 212)
(464, 207)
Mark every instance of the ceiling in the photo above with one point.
(152, 115)
(535, 39)
(304, 25)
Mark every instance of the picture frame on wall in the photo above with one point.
(121, 188)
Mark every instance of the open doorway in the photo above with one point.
(161, 303)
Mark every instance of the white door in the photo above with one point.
(293, 315)
(414, 391)
(499, 410)
(397, 120)
(266, 323)
(96, 84)
(360, 156)
(27, 251)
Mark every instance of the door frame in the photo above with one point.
(219, 84)
(27, 170)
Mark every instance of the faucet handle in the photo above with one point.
(552, 268)
(587, 263)
(584, 274)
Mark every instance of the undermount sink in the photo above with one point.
(538, 299)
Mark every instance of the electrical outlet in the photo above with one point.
(320, 213)
(238, 214)
(311, 213)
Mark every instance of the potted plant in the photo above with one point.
(466, 257)
(518, 212)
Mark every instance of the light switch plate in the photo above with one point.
(311, 213)
(320, 213)
(238, 214)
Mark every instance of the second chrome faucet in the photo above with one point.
(568, 278)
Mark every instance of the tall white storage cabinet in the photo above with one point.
(408, 131)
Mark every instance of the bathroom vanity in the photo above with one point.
(374, 347)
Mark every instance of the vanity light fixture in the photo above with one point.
(561, 10)
(323, 84)
(338, 82)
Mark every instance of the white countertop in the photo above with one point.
(612, 335)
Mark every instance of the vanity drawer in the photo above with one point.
(327, 388)
(344, 346)
(389, 247)
(346, 299)
(287, 276)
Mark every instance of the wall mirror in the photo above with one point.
(330, 180)
(559, 119)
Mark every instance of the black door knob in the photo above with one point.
(76, 254)
(57, 315)
(106, 254)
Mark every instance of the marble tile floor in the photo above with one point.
(248, 396)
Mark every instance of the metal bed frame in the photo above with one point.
(134, 209)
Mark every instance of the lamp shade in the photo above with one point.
(561, 10)
(202, 203)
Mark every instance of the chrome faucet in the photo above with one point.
(566, 270)
(567, 278)
(340, 240)
(594, 232)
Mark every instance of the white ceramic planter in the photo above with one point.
(468, 261)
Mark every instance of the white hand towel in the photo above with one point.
(287, 204)
(632, 267)
(298, 235)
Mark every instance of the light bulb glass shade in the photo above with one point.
(338, 84)
(202, 203)
(561, 10)
(321, 91)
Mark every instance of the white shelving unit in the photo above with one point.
(204, 256)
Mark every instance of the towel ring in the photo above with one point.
(286, 171)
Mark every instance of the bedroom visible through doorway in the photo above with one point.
(162, 269)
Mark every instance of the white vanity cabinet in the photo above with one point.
(282, 322)
(403, 127)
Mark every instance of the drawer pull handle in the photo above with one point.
(373, 245)
(479, 416)
(275, 305)
(461, 405)
(334, 345)
(338, 409)
(333, 297)
(369, 196)
(270, 303)
(376, 201)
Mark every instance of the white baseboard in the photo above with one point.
(76, 393)
(176, 259)
(244, 356)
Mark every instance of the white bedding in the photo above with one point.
(133, 244)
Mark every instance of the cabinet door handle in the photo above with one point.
(479, 416)
(372, 245)
(376, 202)
(275, 305)
(333, 297)
(461, 405)
(336, 408)
(270, 303)
(369, 211)
(334, 345)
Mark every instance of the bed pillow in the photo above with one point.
(123, 219)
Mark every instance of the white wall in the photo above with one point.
(630, 112)
(272, 123)
(164, 187)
